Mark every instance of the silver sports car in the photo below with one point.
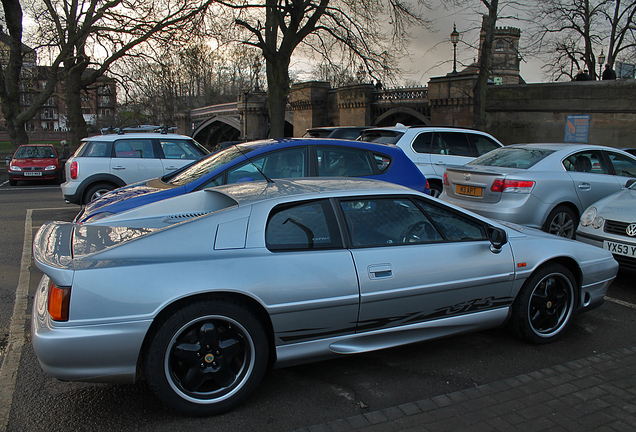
(201, 293)
(546, 186)
(611, 224)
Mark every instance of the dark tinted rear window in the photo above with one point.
(512, 157)
(381, 136)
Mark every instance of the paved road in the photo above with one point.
(308, 397)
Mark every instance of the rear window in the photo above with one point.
(209, 164)
(95, 149)
(381, 136)
(512, 157)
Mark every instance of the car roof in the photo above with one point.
(561, 146)
(403, 128)
(250, 192)
(140, 135)
(291, 142)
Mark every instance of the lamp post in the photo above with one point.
(454, 37)
(601, 60)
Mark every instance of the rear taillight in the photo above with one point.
(59, 299)
(74, 170)
(512, 186)
(446, 182)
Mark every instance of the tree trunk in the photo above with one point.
(75, 118)
(277, 92)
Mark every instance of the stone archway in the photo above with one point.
(217, 130)
(405, 116)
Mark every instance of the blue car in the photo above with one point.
(266, 160)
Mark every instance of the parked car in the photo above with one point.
(34, 162)
(202, 292)
(124, 156)
(544, 186)
(259, 160)
(611, 224)
(432, 148)
(339, 132)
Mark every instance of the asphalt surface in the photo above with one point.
(483, 381)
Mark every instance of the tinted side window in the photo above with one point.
(453, 226)
(383, 162)
(623, 165)
(308, 225)
(180, 149)
(387, 221)
(96, 149)
(280, 164)
(422, 143)
(588, 161)
(134, 149)
(484, 144)
(344, 162)
(455, 144)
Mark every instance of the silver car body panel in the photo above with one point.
(320, 303)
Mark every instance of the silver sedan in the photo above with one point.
(545, 186)
(201, 293)
(611, 224)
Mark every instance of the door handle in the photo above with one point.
(440, 163)
(119, 167)
(585, 186)
(379, 271)
(171, 168)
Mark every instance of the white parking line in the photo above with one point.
(9, 370)
(620, 302)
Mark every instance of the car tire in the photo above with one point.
(562, 222)
(96, 191)
(207, 357)
(436, 189)
(543, 309)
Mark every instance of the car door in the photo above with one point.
(417, 261)
(177, 153)
(623, 166)
(591, 176)
(135, 160)
(450, 148)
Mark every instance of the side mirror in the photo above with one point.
(629, 183)
(8, 160)
(498, 238)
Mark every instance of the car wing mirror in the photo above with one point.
(629, 183)
(8, 160)
(498, 238)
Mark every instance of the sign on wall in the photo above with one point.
(577, 128)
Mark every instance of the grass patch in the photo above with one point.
(5, 146)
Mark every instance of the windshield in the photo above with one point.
(25, 152)
(205, 166)
(381, 136)
(512, 157)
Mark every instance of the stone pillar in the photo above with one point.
(354, 104)
(451, 99)
(254, 115)
(309, 103)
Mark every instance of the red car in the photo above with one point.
(35, 162)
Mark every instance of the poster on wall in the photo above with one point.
(577, 128)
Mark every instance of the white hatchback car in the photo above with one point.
(432, 148)
(105, 162)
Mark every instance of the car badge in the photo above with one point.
(209, 358)
(631, 230)
(466, 177)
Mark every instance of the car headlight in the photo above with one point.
(50, 168)
(588, 216)
(14, 168)
(97, 217)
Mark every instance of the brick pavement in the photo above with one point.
(597, 393)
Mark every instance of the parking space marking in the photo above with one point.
(9, 370)
(620, 302)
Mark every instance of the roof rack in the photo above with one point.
(138, 128)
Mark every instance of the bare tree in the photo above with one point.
(278, 27)
(96, 33)
(578, 30)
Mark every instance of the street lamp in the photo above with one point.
(361, 74)
(454, 37)
(257, 69)
(601, 60)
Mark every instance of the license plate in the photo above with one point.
(32, 173)
(469, 190)
(620, 248)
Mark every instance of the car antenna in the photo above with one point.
(269, 180)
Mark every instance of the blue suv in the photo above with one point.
(264, 160)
